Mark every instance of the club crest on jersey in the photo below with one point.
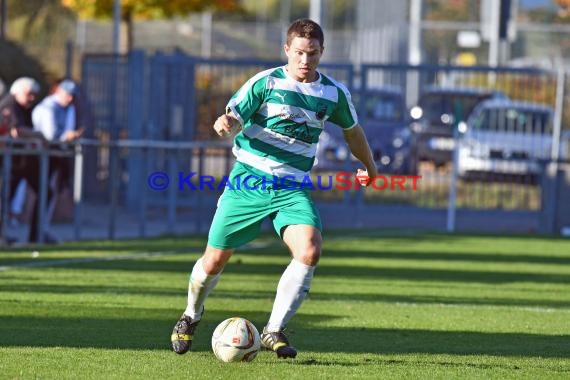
(321, 111)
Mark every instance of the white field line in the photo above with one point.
(58, 263)
(536, 309)
(130, 256)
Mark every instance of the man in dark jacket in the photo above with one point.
(16, 122)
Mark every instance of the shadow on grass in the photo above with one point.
(237, 293)
(114, 246)
(243, 266)
(153, 333)
(324, 270)
(451, 257)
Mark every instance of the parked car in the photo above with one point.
(401, 154)
(382, 114)
(437, 111)
(506, 139)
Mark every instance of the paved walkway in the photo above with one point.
(96, 222)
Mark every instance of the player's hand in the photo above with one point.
(362, 177)
(224, 125)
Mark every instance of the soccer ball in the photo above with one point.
(236, 339)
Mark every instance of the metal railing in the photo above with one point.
(76, 150)
(28, 147)
(173, 159)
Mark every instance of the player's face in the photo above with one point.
(303, 58)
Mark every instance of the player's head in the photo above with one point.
(305, 28)
(25, 90)
(304, 48)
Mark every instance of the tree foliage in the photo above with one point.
(15, 62)
(449, 10)
(146, 9)
(36, 19)
(564, 7)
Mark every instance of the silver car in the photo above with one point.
(505, 139)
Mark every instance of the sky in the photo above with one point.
(536, 3)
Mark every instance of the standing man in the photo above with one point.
(55, 118)
(281, 113)
(16, 119)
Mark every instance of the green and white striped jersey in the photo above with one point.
(283, 118)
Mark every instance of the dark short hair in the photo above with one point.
(305, 28)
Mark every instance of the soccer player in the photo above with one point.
(277, 116)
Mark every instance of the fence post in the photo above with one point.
(172, 159)
(77, 189)
(114, 183)
(137, 94)
(452, 202)
(142, 203)
(43, 193)
(5, 191)
(552, 178)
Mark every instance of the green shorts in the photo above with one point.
(242, 209)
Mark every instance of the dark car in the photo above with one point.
(400, 155)
(437, 111)
(382, 114)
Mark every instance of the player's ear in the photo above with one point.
(286, 48)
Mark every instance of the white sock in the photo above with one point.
(291, 291)
(200, 285)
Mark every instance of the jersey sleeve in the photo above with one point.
(248, 99)
(344, 114)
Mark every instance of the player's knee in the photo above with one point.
(214, 260)
(213, 265)
(313, 258)
(310, 254)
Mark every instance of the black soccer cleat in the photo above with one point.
(277, 342)
(182, 334)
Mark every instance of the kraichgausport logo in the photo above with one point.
(340, 181)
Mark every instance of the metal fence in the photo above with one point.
(177, 98)
(174, 198)
(154, 114)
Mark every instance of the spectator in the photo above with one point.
(55, 119)
(16, 120)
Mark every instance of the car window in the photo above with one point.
(433, 107)
(462, 105)
(456, 104)
(513, 120)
